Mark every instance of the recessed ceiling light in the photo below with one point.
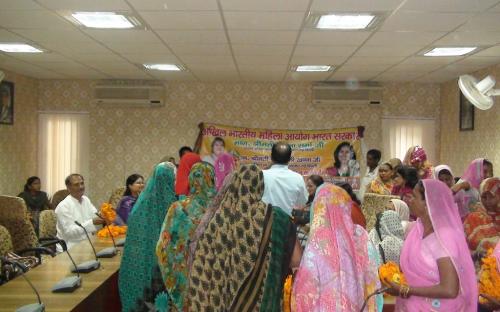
(450, 51)
(104, 20)
(166, 67)
(313, 68)
(345, 21)
(18, 48)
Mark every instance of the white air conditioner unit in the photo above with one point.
(327, 94)
(124, 93)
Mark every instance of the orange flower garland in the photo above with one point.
(108, 213)
(287, 293)
(115, 230)
(489, 278)
(390, 272)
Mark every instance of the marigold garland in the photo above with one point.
(489, 278)
(390, 273)
(116, 230)
(287, 293)
(108, 213)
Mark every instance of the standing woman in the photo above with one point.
(382, 184)
(417, 158)
(182, 178)
(405, 180)
(139, 277)
(133, 187)
(35, 200)
(435, 258)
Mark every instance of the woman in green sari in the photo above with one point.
(177, 231)
(139, 277)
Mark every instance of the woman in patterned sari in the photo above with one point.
(382, 184)
(240, 260)
(178, 229)
(336, 272)
(417, 158)
(139, 277)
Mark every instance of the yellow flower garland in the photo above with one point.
(489, 278)
(390, 272)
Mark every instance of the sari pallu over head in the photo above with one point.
(335, 272)
(182, 179)
(449, 232)
(232, 269)
(139, 277)
(178, 228)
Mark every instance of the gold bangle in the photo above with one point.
(403, 291)
(406, 292)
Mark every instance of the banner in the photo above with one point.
(333, 154)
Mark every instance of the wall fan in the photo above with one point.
(479, 93)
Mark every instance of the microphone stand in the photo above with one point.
(34, 307)
(70, 283)
(87, 266)
(109, 252)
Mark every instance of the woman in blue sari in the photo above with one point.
(139, 278)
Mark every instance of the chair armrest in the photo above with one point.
(48, 241)
(38, 251)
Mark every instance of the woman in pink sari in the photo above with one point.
(435, 258)
(336, 272)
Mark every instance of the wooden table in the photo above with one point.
(98, 292)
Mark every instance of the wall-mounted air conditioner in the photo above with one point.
(327, 94)
(123, 93)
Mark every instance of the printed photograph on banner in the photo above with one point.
(331, 153)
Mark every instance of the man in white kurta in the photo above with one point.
(283, 187)
(75, 207)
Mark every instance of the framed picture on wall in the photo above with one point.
(7, 103)
(466, 114)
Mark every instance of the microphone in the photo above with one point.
(70, 283)
(91, 265)
(109, 252)
(34, 307)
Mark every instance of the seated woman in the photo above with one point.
(403, 211)
(356, 214)
(444, 174)
(466, 190)
(313, 182)
(345, 164)
(405, 180)
(336, 272)
(134, 186)
(417, 158)
(482, 227)
(35, 200)
(434, 258)
(388, 236)
(382, 184)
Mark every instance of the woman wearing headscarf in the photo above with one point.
(139, 277)
(444, 174)
(240, 261)
(180, 223)
(466, 190)
(382, 184)
(224, 165)
(182, 179)
(403, 212)
(417, 158)
(388, 236)
(336, 272)
(434, 259)
(482, 227)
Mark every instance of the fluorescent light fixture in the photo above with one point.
(345, 21)
(313, 68)
(103, 20)
(18, 48)
(165, 67)
(450, 51)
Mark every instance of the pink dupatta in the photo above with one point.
(449, 232)
(335, 272)
(474, 173)
(224, 164)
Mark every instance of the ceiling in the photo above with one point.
(256, 40)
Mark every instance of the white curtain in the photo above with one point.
(63, 148)
(398, 134)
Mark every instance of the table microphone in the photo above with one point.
(109, 252)
(34, 307)
(70, 283)
(91, 265)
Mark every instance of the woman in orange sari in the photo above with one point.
(382, 184)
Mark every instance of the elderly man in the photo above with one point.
(283, 187)
(75, 207)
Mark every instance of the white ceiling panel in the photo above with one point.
(84, 74)
(32, 19)
(332, 38)
(264, 5)
(368, 60)
(404, 37)
(109, 57)
(54, 35)
(75, 47)
(448, 5)
(201, 49)
(258, 60)
(481, 60)
(262, 75)
(397, 76)
(124, 36)
(493, 51)
(193, 36)
(423, 60)
(104, 65)
(174, 5)
(423, 21)
(352, 66)
(262, 37)
(496, 8)
(268, 67)
(263, 20)
(461, 68)
(295, 76)
(364, 75)
(262, 50)
(216, 75)
(482, 22)
(143, 58)
(219, 67)
(128, 74)
(470, 38)
(415, 67)
(318, 60)
(7, 36)
(19, 5)
(310, 50)
(354, 6)
(181, 76)
(138, 48)
(436, 77)
(199, 60)
(183, 20)
(40, 57)
(87, 5)
(387, 51)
